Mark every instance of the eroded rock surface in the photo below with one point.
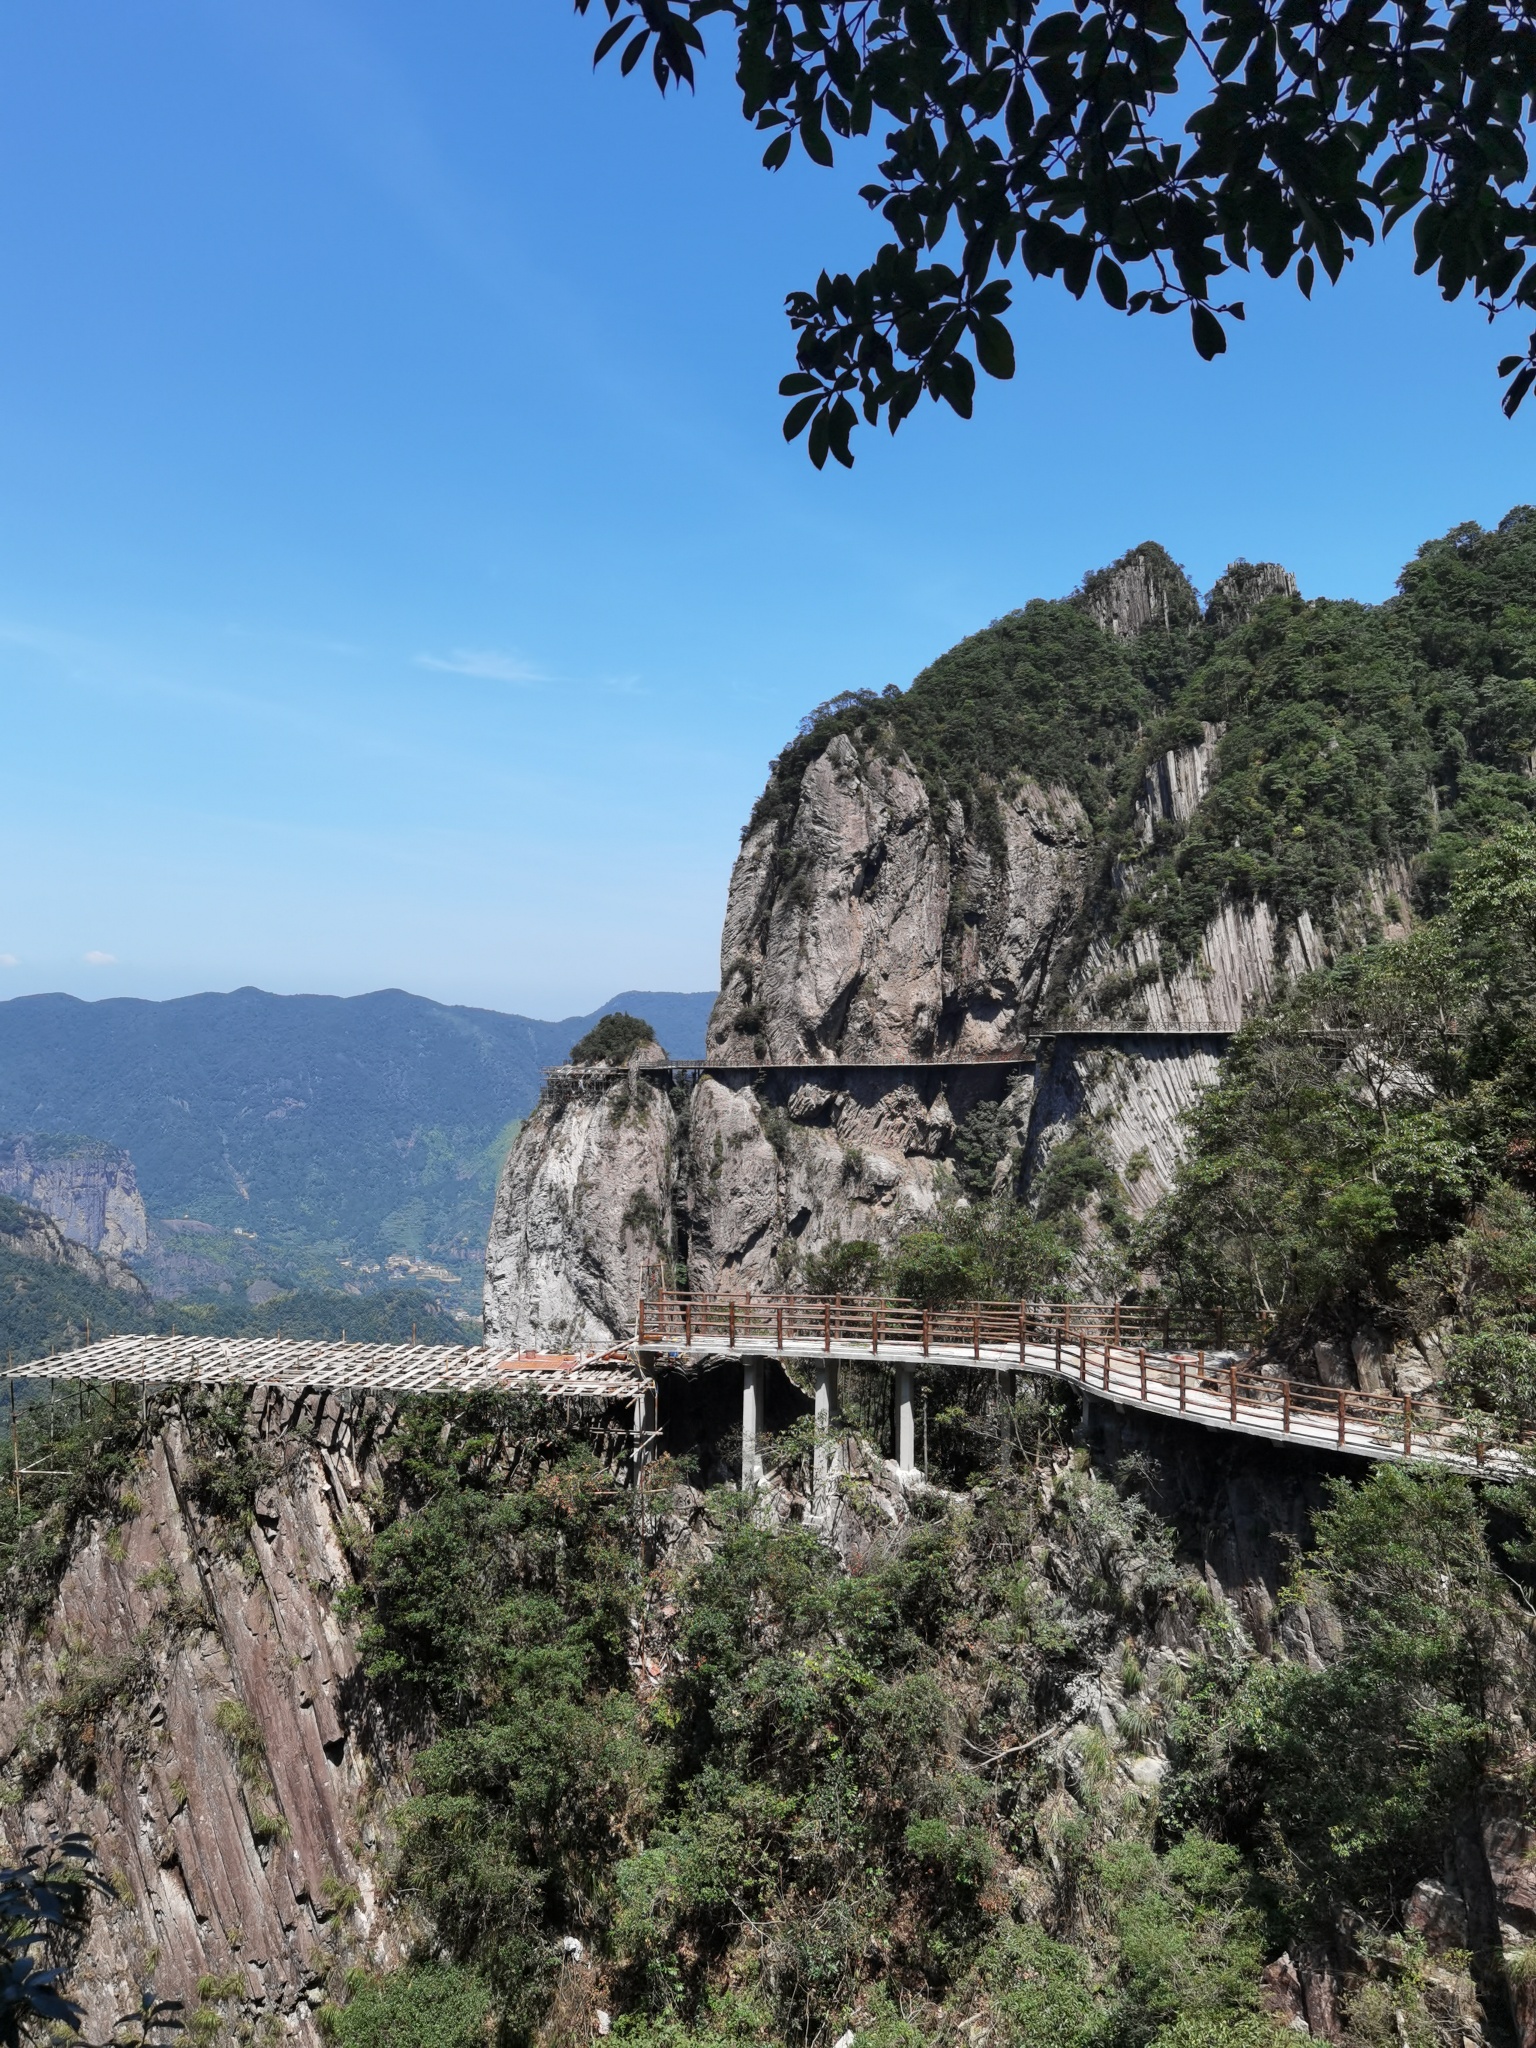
(881, 930)
(581, 1211)
(190, 1703)
(90, 1190)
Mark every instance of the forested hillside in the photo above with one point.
(1059, 1751)
(331, 1133)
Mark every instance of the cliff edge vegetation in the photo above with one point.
(1351, 735)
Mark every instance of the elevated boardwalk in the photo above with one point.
(1140, 1359)
(1119, 1354)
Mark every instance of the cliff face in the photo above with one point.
(189, 1702)
(88, 1189)
(580, 1211)
(32, 1235)
(937, 877)
(874, 929)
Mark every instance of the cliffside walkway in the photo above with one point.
(296, 1364)
(1123, 1037)
(1120, 1354)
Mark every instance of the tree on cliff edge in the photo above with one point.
(1030, 131)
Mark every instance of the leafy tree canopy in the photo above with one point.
(1148, 150)
(1370, 1150)
(611, 1040)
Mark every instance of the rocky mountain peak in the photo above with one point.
(1146, 587)
(1237, 595)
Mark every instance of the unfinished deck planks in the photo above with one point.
(341, 1367)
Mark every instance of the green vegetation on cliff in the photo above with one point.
(773, 1795)
(1352, 736)
(1369, 1153)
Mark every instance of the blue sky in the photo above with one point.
(403, 580)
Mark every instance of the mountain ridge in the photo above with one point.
(318, 1136)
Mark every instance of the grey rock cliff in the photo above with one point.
(258, 1869)
(874, 930)
(88, 1189)
(32, 1235)
(864, 932)
(581, 1211)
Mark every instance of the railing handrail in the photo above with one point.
(1088, 1339)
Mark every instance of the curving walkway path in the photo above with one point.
(1125, 1355)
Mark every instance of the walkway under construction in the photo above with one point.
(299, 1364)
(1150, 1360)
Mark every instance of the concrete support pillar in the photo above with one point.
(753, 1390)
(906, 1429)
(826, 1417)
(644, 1430)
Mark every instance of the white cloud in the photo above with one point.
(9, 960)
(486, 662)
(101, 959)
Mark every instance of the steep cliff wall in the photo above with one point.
(31, 1235)
(188, 1700)
(581, 1210)
(89, 1190)
(1118, 811)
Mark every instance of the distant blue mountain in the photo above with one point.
(317, 1136)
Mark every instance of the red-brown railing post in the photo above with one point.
(874, 1331)
(826, 1326)
(1066, 1319)
(1285, 1406)
(1341, 1415)
(1183, 1383)
(1142, 1359)
(976, 1335)
(1407, 1425)
(1058, 1348)
(1023, 1334)
(1082, 1358)
(927, 1330)
(730, 1340)
(687, 1325)
(640, 1322)
(778, 1325)
(1117, 1322)
(1106, 1368)
(1232, 1370)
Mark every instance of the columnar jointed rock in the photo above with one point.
(188, 1704)
(1145, 588)
(1237, 595)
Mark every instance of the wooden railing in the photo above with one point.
(867, 1321)
(1123, 1351)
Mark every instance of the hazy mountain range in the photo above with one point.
(287, 1140)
